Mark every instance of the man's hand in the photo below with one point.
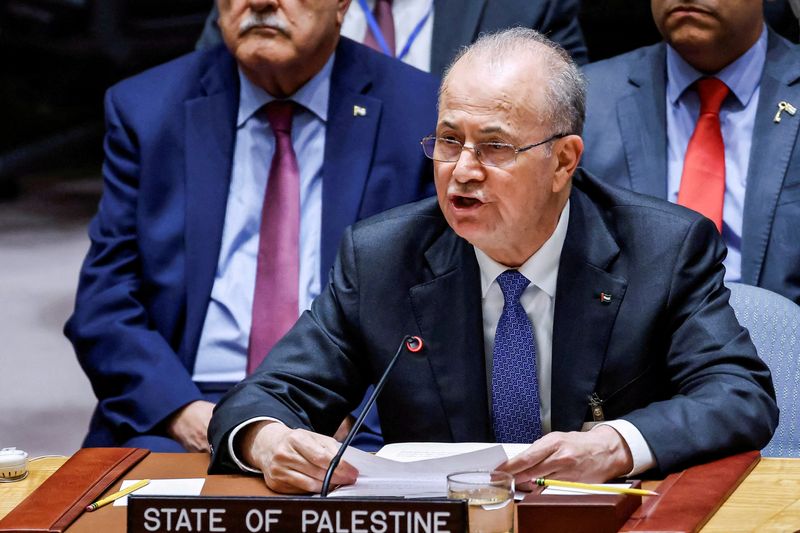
(292, 460)
(590, 456)
(189, 425)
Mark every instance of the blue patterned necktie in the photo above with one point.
(515, 387)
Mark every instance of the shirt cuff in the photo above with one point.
(232, 436)
(643, 458)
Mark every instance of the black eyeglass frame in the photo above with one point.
(476, 150)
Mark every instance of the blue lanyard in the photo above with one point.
(378, 34)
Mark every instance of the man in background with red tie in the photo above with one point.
(428, 33)
(229, 177)
(709, 119)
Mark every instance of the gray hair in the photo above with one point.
(565, 92)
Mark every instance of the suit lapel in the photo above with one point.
(770, 152)
(448, 312)
(455, 23)
(642, 123)
(350, 139)
(208, 168)
(582, 323)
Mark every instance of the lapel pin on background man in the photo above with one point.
(229, 178)
(704, 119)
(535, 288)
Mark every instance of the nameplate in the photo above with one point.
(235, 514)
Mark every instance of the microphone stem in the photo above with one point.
(326, 482)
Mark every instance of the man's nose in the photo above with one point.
(468, 168)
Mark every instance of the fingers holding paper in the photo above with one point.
(590, 456)
(293, 460)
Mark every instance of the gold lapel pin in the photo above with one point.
(359, 111)
(605, 298)
(784, 106)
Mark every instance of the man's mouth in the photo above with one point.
(689, 8)
(465, 202)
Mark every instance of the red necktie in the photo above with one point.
(275, 305)
(703, 179)
(383, 16)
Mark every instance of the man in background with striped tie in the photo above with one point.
(229, 177)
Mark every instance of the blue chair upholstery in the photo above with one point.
(774, 325)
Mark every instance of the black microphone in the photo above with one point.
(412, 344)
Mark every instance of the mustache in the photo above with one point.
(467, 189)
(264, 20)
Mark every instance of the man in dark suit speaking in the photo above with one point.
(586, 320)
(230, 176)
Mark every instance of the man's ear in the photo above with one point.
(567, 152)
(341, 8)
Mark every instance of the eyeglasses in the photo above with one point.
(491, 154)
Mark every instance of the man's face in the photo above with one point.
(279, 32)
(712, 25)
(503, 211)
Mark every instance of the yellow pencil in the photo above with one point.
(590, 486)
(117, 495)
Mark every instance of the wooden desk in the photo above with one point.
(13, 493)
(768, 500)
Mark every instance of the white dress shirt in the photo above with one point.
(538, 300)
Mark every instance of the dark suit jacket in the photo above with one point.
(457, 23)
(626, 144)
(146, 281)
(667, 352)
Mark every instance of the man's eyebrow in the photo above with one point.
(493, 129)
(486, 130)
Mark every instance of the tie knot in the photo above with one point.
(712, 92)
(279, 113)
(512, 283)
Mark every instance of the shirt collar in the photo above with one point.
(312, 96)
(742, 76)
(541, 268)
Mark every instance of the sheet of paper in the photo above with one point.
(379, 476)
(416, 451)
(563, 491)
(164, 487)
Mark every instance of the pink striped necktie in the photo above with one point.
(383, 16)
(275, 306)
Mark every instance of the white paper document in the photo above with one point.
(415, 451)
(164, 487)
(421, 478)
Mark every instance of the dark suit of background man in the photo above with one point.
(643, 108)
(532, 294)
(163, 313)
(434, 30)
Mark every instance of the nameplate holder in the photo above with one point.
(212, 514)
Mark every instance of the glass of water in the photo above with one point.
(490, 497)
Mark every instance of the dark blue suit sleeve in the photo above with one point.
(133, 368)
(722, 398)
